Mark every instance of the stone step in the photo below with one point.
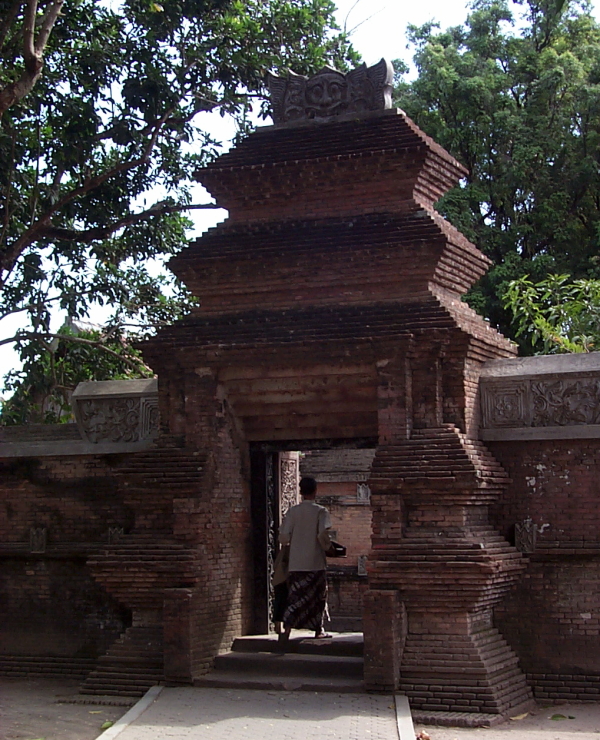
(334, 665)
(350, 644)
(291, 665)
(45, 667)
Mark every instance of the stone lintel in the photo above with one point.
(542, 365)
(11, 450)
(116, 388)
(584, 431)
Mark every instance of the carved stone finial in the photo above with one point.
(331, 93)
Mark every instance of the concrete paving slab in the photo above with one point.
(185, 713)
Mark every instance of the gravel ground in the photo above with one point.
(44, 710)
(53, 710)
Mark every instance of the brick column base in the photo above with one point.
(384, 625)
(457, 662)
(177, 615)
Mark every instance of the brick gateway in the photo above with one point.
(331, 311)
(331, 315)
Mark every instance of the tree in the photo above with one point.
(514, 94)
(52, 368)
(556, 314)
(102, 127)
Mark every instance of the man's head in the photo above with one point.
(308, 487)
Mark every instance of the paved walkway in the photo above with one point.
(218, 714)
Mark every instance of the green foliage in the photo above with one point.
(42, 389)
(514, 94)
(118, 115)
(556, 314)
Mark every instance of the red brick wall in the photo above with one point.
(551, 618)
(555, 483)
(351, 522)
(350, 519)
(216, 522)
(50, 605)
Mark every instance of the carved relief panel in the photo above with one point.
(117, 411)
(532, 402)
(289, 478)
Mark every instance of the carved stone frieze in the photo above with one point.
(506, 405)
(111, 420)
(122, 412)
(331, 93)
(566, 402)
(540, 402)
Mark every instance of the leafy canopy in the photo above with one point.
(556, 314)
(42, 388)
(514, 94)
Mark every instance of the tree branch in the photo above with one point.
(33, 53)
(134, 364)
(8, 19)
(102, 232)
(10, 256)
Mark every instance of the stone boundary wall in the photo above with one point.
(541, 420)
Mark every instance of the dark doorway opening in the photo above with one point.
(273, 490)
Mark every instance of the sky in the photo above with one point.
(378, 29)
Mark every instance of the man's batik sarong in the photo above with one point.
(307, 600)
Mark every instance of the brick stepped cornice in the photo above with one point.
(439, 465)
(388, 131)
(335, 326)
(368, 258)
(168, 469)
(357, 164)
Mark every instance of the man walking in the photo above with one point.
(306, 530)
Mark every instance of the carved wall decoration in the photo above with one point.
(115, 534)
(111, 420)
(362, 565)
(289, 473)
(331, 93)
(38, 539)
(149, 418)
(122, 412)
(525, 536)
(272, 524)
(547, 403)
(566, 402)
(505, 404)
(363, 493)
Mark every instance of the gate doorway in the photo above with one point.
(342, 472)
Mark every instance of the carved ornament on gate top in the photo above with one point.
(331, 93)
